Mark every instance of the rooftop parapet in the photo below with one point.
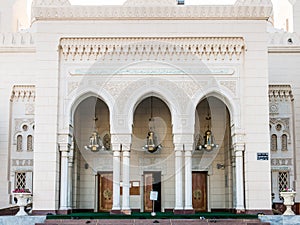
(135, 10)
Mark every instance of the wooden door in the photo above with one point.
(199, 180)
(152, 183)
(105, 191)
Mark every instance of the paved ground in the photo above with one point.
(154, 221)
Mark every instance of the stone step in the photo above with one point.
(153, 221)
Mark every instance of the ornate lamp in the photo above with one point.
(152, 143)
(207, 143)
(96, 143)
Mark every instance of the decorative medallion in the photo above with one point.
(197, 194)
(107, 194)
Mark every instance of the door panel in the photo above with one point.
(105, 191)
(152, 183)
(199, 191)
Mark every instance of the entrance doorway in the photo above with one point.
(105, 193)
(199, 180)
(152, 183)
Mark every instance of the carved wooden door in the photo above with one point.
(105, 191)
(148, 188)
(199, 194)
(152, 183)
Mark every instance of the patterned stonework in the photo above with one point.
(29, 109)
(213, 48)
(22, 162)
(284, 121)
(23, 93)
(50, 3)
(231, 85)
(282, 162)
(150, 3)
(254, 9)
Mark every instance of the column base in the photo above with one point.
(184, 211)
(126, 211)
(115, 212)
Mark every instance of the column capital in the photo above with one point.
(239, 147)
(64, 147)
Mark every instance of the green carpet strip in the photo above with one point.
(159, 215)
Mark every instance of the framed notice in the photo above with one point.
(263, 156)
(153, 195)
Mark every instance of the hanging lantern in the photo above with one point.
(95, 144)
(207, 143)
(152, 143)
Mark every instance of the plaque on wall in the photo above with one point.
(263, 156)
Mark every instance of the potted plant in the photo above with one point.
(288, 196)
(23, 197)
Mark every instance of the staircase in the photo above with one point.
(153, 221)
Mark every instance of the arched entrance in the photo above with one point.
(92, 174)
(212, 177)
(149, 167)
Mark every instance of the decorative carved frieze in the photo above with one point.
(23, 93)
(208, 48)
(282, 162)
(22, 162)
(280, 93)
(250, 9)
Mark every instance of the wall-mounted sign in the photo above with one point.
(262, 156)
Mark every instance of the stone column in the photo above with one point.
(64, 175)
(116, 209)
(70, 178)
(239, 177)
(188, 208)
(126, 179)
(178, 179)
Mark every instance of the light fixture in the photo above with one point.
(152, 143)
(95, 144)
(207, 143)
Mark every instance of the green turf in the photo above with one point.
(159, 215)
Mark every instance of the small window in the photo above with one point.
(29, 143)
(278, 127)
(19, 143)
(284, 142)
(283, 181)
(25, 128)
(20, 180)
(274, 142)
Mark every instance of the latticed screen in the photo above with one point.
(283, 180)
(20, 180)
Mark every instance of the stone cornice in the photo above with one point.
(280, 92)
(23, 93)
(206, 48)
(186, 12)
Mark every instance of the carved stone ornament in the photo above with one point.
(150, 3)
(23, 93)
(208, 48)
(51, 3)
(280, 93)
(60, 9)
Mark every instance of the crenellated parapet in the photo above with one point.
(23, 93)
(16, 42)
(61, 9)
(208, 48)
